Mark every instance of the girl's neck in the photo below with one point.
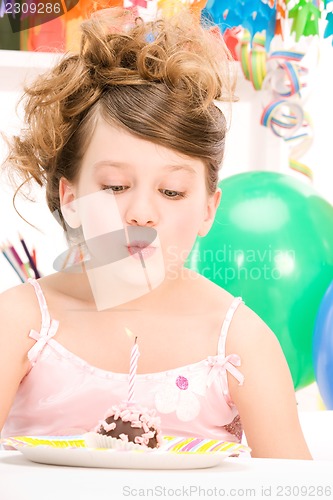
(169, 292)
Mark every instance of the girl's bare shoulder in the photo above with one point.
(19, 314)
(248, 332)
(19, 309)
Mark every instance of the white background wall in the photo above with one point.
(250, 146)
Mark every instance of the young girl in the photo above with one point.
(128, 141)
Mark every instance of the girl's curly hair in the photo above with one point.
(156, 79)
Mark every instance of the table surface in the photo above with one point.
(239, 477)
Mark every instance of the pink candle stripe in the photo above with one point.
(133, 369)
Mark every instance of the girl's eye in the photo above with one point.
(114, 189)
(169, 193)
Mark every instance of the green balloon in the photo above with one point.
(272, 244)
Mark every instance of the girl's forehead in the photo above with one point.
(114, 147)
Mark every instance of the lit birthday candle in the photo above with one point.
(127, 423)
(133, 367)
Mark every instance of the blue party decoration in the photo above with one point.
(329, 27)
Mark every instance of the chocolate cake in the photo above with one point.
(132, 424)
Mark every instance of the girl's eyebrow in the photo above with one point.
(109, 163)
(175, 168)
(172, 168)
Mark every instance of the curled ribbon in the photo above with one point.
(285, 116)
(225, 363)
(253, 60)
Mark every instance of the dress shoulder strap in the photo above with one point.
(49, 326)
(226, 323)
(46, 319)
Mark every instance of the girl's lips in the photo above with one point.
(141, 249)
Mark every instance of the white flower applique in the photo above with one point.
(179, 394)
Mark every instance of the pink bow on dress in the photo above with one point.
(225, 363)
(41, 341)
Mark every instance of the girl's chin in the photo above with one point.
(125, 281)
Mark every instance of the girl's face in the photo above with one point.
(129, 183)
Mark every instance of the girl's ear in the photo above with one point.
(68, 203)
(212, 205)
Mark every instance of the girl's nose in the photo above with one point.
(141, 212)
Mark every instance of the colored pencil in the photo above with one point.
(32, 264)
(15, 267)
(34, 256)
(17, 258)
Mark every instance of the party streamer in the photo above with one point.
(253, 60)
(284, 114)
(259, 16)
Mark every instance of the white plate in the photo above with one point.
(113, 459)
(175, 452)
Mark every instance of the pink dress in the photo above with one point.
(63, 395)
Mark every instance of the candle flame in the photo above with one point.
(129, 333)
